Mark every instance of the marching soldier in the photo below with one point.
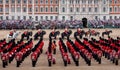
(19, 58)
(4, 58)
(49, 59)
(34, 57)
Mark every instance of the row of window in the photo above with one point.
(53, 17)
(55, 9)
(63, 1)
(30, 1)
(114, 9)
(30, 17)
(83, 1)
(110, 17)
(36, 9)
(114, 1)
(83, 9)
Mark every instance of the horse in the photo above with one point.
(80, 34)
(14, 36)
(94, 33)
(106, 33)
(27, 35)
(41, 34)
(66, 34)
(54, 34)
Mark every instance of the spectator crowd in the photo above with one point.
(60, 24)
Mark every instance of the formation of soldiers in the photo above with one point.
(51, 50)
(36, 51)
(86, 49)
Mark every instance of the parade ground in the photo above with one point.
(42, 63)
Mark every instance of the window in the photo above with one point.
(18, 17)
(24, 1)
(24, 17)
(104, 17)
(51, 17)
(96, 17)
(7, 1)
(63, 9)
(36, 18)
(24, 9)
(104, 1)
(13, 17)
(110, 17)
(77, 9)
(104, 9)
(51, 9)
(115, 1)
(30, 1)
(1, 1)
(56, 9)
(83, 1)
(56, 1)
(110, 9)
(7, 18)
(30, 9)
(30, 17)
(95, 1)
(12, 9)
(7, 9)
(46, 9)
(46, 17)
(12, 1)
(41, 17)
(77, 1)
(115, 17)
(46, 1)
(71, 9)
(63, 2)
(36, 9)
(96, 9)
(71, 17)
(1, 17)
(18, 1)
(41, 1)
(1, 9)
(41, 9)
(90, 10)
(89, 1)
(51, 1)
(63, 17)
(115, 9)
(83, 9)
(56, 17)
(18, 9)
(110, 1)
(36, 1)
(71, 1)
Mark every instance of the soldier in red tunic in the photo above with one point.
(4, 58)
(34, 57)
(18, 57)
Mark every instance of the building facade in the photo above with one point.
(59, 9)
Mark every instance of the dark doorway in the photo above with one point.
(84, 20)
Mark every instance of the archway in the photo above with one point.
(84, 20)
